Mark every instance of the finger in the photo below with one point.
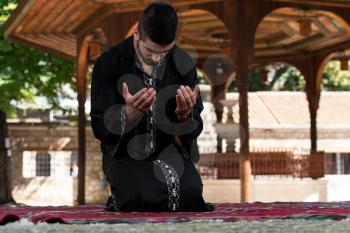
(147, 93)
(190, 93)
(196, 91)
(145, 105)
(125, 91)
(178, 104)
(140, 100)
(139, 94)
(187, 96)
(154, 100)
(182, 99)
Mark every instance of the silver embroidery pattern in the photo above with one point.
(150, 82)
(123, 123)
(173, 184)
(114, 202)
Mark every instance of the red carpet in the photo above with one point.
(223, 212)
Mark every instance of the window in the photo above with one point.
(43, 166)
(337, 163)
(49, 164)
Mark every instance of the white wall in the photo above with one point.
(330, 188)
(45, 191)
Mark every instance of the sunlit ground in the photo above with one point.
(198, 226)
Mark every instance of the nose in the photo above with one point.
(156, 58)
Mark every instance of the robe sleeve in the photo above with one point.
(194, 121)
(108, 117)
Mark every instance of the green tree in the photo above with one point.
(288, 78)
(282, 77)
(335, 79)
(25, 72)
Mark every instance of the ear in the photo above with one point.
(136, 33)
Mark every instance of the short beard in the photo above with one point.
(145, 60)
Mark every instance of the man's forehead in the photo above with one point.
(156, 47)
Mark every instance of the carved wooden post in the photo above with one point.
(219, 68)
(242, 35)
(82, 67)
(5, 193)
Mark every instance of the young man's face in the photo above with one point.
(150, 52)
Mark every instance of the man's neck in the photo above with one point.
(146, 68)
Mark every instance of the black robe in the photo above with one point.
(165, 180)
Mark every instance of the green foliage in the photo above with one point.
(288, 78)
(6, 8)
(334, 79)
(281, 78)
(201, 77)
(25, 72)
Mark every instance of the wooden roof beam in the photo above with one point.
(71, 44)
(329, 42)
(302, 44)
(60, 8)
(280, 58)
(276, 38)
(332, 3)
(112, 1)
(29, 16)
(202, 48)
(272, 49)
(172, 2)
(71, 8)
(43, 13)
(322, 28)
(109, 9)
(68, 48)
(194, 42)
(290, 17)
(71, 19)
(209, 24)
(204, 18)
(91, 9)
(334, 48)
(34, 44)
(17, 16)
(288, 30)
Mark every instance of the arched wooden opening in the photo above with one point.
(296, 35)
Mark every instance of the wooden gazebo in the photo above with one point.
(234, 35)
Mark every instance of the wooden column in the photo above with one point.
(5, 192)
(219, 68)
(309, 71)
(242, 35)
(313, 107)
(245, 166)
(312, 69)
(218, 93)
(242, 19)
(82, 67)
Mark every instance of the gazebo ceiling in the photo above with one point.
(335, 3)
(280, 33)
(54, 26)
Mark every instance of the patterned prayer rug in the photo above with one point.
(224, 212)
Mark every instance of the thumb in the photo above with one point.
(196, 90)
(125, 90)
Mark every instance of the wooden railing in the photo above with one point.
(226, 165)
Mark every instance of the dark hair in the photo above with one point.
(158, 22)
